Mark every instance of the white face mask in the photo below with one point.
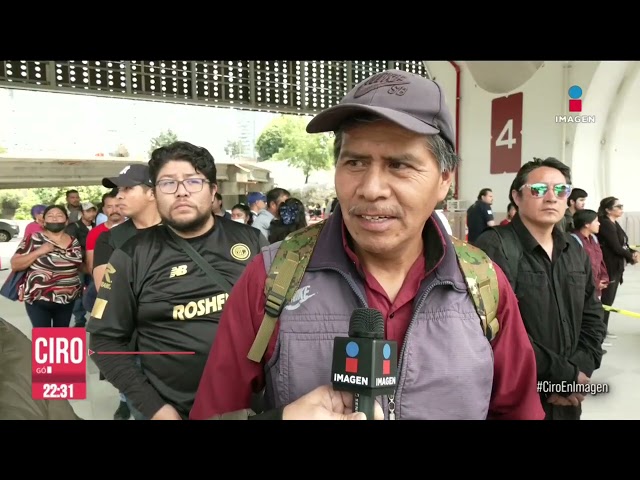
(239, 220)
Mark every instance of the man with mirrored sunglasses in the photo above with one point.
(551, 276)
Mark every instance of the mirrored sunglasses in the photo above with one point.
(538, 190)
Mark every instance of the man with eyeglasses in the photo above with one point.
(551, 276)
(169, 284)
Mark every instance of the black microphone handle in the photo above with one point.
(364, 404)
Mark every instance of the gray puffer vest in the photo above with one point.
(445, 366)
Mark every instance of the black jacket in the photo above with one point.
(615, 248)
(154, 289)
(566, 224)
(80, 231)
(562, 315)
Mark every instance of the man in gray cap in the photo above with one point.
(384, 249)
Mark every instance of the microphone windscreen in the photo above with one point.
(366, 323)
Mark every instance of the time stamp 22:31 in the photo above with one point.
(60, 391)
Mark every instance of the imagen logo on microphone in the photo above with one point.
(351, 365)
(386, 362)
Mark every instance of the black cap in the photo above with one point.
(130, 176)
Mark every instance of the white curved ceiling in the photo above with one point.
(502, 77)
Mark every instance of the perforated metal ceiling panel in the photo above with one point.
(287, 86)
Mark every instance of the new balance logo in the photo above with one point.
(178, 271)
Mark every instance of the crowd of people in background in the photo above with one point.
(161, 265)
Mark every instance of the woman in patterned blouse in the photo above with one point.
(52, 260)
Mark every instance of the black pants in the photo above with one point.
(608, 296)
(49, 314)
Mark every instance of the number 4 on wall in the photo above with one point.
(506, 134)
(506, 139)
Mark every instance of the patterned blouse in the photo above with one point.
(52, 277)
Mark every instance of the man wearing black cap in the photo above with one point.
(137, 202)
(383, 248)
(168, 285)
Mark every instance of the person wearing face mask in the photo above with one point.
(51, 260)
(241, 213)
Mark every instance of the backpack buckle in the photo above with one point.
(274, 304)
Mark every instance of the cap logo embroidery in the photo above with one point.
(382, 80)
(125, 169)
(398, 90)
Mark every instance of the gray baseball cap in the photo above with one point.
(409, 100)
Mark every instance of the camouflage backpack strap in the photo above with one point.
(284, 277)
(482, 283)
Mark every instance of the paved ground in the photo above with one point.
(620, 369)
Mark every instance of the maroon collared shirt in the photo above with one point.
(230, 378)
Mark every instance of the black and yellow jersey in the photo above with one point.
(151, 286)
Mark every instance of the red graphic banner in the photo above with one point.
(59, 364)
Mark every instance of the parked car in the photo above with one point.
(8, 230)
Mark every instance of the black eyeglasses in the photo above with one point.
(539, 190)
(191, 185)
(618, 206)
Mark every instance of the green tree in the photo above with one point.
(286, 138)
(233, 148)
(2, 150)
(165, 138)
(50, 195)
(9, 202)
(27, 200)
(58, 195)
(270, 140)
(308, 152)
(17, 203)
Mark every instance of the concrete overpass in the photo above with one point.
(279, 86)
(235, 178)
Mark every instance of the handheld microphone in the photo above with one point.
(364, 363)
